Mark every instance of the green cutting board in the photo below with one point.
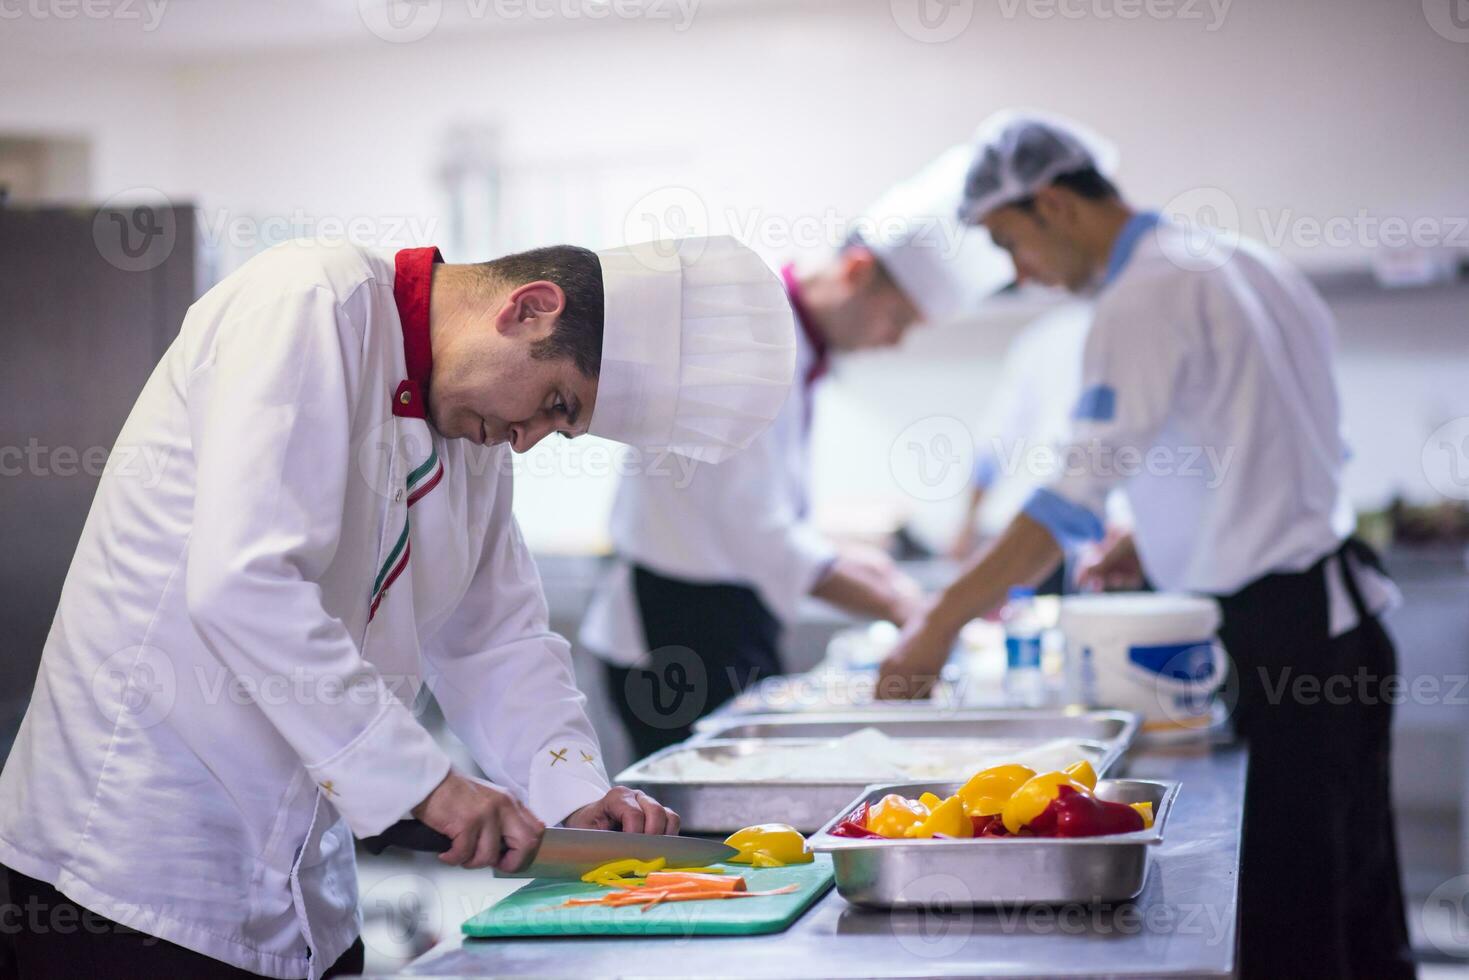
(530, 911)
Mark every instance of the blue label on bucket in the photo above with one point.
(1178, 661)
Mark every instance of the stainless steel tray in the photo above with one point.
(722, 806)
(830, 692)
(996, 871)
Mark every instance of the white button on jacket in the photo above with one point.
(225, 695)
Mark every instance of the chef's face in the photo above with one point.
(873, 311)
(490, 386)
(1041, 241)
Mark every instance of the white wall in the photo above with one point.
(776, 117)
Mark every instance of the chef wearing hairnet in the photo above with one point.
(225, 697)
(712, 565)
(1207, 392)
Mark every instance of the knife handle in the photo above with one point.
(413, 835)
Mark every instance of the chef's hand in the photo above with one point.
(912, 667)
(1115, 566)
(488, 825)
(629, 810)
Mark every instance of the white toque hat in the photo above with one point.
(944, 268)
(698, 347)
(1016, 153)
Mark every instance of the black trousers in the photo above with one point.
(706, 644)
(53, 938)
(1320, 888)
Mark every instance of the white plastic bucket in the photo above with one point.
(1153, 653)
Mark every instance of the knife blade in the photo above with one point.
(566, 852)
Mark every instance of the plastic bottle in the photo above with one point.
(1025, 686)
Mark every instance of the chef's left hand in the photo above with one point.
(912, 667)
(629, 810)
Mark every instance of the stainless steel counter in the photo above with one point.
(1182, 925)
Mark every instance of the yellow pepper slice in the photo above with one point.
(988, 789)
(769, 845)
(1033, 796)
(1083, 773)
(893, 815)
(620, 869)
(948, 818)
(930, 800)
(1146, 809)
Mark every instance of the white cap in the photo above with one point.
(698, 347)
(1017, 153)
(944, 268)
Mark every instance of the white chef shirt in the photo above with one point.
(225, 695)
(741, 522)
(1207, 392)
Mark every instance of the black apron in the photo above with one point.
(706, 644)
(1320, 888)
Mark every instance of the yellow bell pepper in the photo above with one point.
(769, 845)
(1146, 809)
(893, 815)
(1033, 796)
(1083, 773)
(929, 800)
(948, 818)
(619, 869)
(988, 789)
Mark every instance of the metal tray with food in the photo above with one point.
(800, 772)
(825, 692)
(946, 873)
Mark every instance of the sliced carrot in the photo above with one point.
(723, 883)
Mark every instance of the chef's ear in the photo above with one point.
(1056, 205)
(532, 307)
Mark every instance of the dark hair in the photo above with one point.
(578, 271)
(1085, 183)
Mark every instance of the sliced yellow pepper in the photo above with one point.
(1146, 809)
(930, 800)
(948, 818)
(769, 845)
(893, 815)
(1033, 796)
(620, 869)
(988, 789)
(1083, 773)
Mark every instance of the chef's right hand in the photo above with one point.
(489, 826)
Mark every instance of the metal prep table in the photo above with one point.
(1183, 924)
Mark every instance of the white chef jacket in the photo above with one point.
(224, 696)
(1207, 392)
(742, 522)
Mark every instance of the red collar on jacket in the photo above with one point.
(413, 280)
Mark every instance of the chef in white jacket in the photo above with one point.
(1207, 393)
(225, 696)
(711, 568)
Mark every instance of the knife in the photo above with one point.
(566, 852)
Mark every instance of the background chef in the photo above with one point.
(336, 513)
(710, 568)
(1204, 342)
